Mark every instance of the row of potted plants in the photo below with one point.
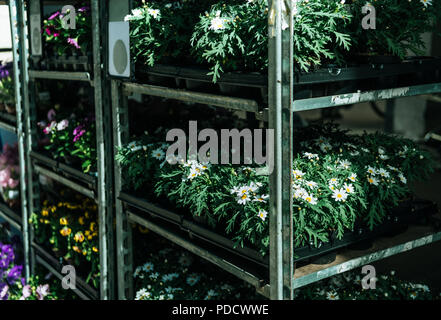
(7, 89)
(70, 229)
(72, 138)
(13, 285)
(341, 182)
(167, 272)
(10, 175)
(232, 35)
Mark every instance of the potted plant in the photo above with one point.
(398, 29)
(63, 42)
(234, 37)
(10, 176)
(7, 89)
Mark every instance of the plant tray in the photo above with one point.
(407, 213)
(11, 214)
(57, 265)
(65, 63)
(326, 80)
(65, 170)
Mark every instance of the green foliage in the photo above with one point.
(348, 286)
(399, 27)
(7, 90)
(62, 40)
(234, 37)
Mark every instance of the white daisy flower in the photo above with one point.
(345, 164)
(402, 178)
(243, 199)
(158, 154)
(348, 187)
(311, 184)
(381, 150)
(218, 23)
(384, 173)
(310, 199)
(426, 3)
(262, 214)
(325, 147)
(340, 195)
(373, 180)
(353, 177)
(310, 155)
(261, 198)
(384, 157)
(154, 13)
(332, 295)
(371, 171)
(300, 193)
(298, 174)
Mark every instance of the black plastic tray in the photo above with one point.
(409, 212)
(60, 167)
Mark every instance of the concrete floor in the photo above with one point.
(421, 265)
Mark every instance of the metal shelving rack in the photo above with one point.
(281, 106)
(99, 188)
(16, 125)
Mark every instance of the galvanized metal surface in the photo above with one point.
(61, 75)
(8, 127)
(191, 96)
(67, 182)
(358, 97)
(19, 52)
(124, 244)
(105, 156)
(350, 262)
(197, 250)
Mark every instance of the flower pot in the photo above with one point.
(229, 89)
(71, 161)
(374, 58)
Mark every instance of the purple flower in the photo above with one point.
(73, 42)
(53, 16)
(51, 115)
(84, 9)
(42, 291)
(26, 292)
(78, 129)
(79, 135)
(14, 274)
(4, 288)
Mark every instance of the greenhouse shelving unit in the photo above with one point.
(98, 188)
(16, 125)
(283, 276)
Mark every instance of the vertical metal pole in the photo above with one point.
(104, 161)
(280, 120)
(20, 55)
(124, 243)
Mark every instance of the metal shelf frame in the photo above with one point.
(104, 185)
(279, 114)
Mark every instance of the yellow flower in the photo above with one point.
(81, 220)
(79, 237)
(63, 221)
(53, 209)
(46, 221)
(87, 232)
(86, 214)
(93, 226)
(44, 212)
(84, 252)
(45, 203)
(143, 230)
(95, 249)
(76, 249)
(65, 231)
